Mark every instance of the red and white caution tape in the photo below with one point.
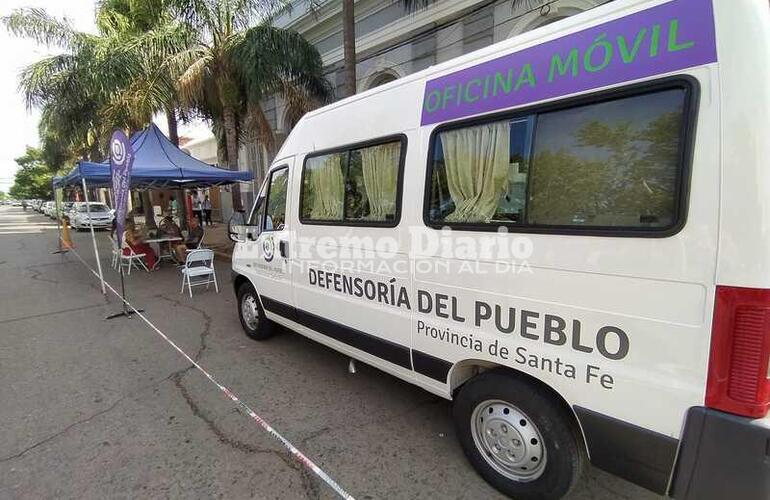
(301, 458)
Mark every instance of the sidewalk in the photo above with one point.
(216, 239)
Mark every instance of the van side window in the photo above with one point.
(323, 189)
(372, 183)
(275, 218)
(480, 173)
(614, 164)
(354, 186)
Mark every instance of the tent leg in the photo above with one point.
(58, 225)
(93, 236)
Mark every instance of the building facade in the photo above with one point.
(392, 42)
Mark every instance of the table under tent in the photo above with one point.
(158, 164)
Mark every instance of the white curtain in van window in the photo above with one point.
(380, 168)
(328, 187)
(476, 161)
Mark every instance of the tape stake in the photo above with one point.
(298, 455)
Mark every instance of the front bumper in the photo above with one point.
(722, 456)
(96, 223)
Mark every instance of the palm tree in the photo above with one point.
(114, 79)
(84, 91)
(155, 37)
(73, 87)
(232, 65)
(271, 61)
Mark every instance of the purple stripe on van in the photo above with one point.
(669, 37)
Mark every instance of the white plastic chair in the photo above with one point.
(200, 265)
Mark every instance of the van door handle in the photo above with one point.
(283, 247)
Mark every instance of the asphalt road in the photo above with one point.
(106, 409)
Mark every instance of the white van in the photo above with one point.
(566, 233)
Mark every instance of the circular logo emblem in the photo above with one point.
(118, 151)
(268, 248)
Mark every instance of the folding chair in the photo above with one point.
(133, 259)
(199, 265)
(115, 253)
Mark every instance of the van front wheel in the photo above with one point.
(251, 314)
(518, 437)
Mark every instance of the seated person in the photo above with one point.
(134, 239)
(194, 237)
(169, 229)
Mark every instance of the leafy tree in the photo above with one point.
(33, 179)
(154, 37)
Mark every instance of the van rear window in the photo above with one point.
(355, 186)
(613, 164)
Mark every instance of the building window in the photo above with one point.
(382, 79)
(478, 29)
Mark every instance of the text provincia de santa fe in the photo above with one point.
(609, 341)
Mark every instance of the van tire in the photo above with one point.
(563, 457)
(258, 327)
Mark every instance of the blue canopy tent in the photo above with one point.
(157, 164)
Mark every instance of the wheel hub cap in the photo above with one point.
(250, 311)
(508, 440)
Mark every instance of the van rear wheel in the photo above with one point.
(251, 314)
(518, 437)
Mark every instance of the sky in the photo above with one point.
(18, 127)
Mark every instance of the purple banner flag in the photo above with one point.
(121, 160)
(662, 39)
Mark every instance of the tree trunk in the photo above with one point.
(231, 139)
(265, 138)
(173, 131)
(95, 155)
(173, 135)
(349, 45)
(149, 213)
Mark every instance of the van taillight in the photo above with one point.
(739, 367)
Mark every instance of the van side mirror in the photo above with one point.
(237, 229)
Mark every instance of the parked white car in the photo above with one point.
(48, 208)
(66, 207)
(100, 216)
